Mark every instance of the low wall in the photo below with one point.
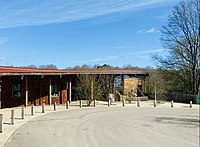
(142, 98)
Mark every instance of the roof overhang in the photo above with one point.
(9, 71)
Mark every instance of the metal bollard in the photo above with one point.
(172, 103)
(54, 106)
(123, 103)
(32, 109)
(94, 102)
(22, 113)
(190, 104)
(108, 102)
(154, 103)
(80, 104)
(42, 107)
(138, 103)
(12, 117)
(1, 123)
(67, 105)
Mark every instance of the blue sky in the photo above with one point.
(75, 32)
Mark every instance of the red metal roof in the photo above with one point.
(13, 70)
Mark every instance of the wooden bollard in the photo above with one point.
(123, 103)
(12, 117)
(22, 113)
(190, 104)
(172, 103)
(80, 103)
(67, 104)
(42, 107)
(154, 103)
(138, 103)
(32, 109)
(54, 106)
(1, 123)
(94, 102)
(108, 102)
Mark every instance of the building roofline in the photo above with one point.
(29, 71)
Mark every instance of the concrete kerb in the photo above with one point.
(9, 129)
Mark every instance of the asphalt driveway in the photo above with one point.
(106, 127)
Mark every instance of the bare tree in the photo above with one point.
(83, 87)
(157, 85)
(90, 87)
(49, 66)
(181, 38)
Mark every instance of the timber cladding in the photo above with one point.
(23, 86)
(133, 86)
(7, 99)
(15, 90)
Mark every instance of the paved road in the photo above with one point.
(107, 127)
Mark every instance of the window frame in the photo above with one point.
(54, 90)
(19, 90)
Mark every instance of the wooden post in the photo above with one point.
(22, 113)
(92, 90)
(190, 104)
(80, 103)
(1, 123)
(67, 105)
(172, 103)
(70, 90)
(0, 92)
(94, 102)
(154, 103)
(26, 101)
(114, 86)
(138, 103)
(67, 87)
(12, 117)
(43, 107)
(123, 102)
(54, 106)
(40, 91)
(145, 87)
(50, 90)
(155, 94)
(109, 102)
(32, 109)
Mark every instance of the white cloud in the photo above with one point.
(136, 54)
(106, 58)
(122, 47)
(143, 57)
(3, 40)
(154, 50)
(31, 54)
(3, 59)
(27, 13)
(101, 60)
(141, 31)
(151, 30)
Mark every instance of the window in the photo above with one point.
(17, 90)
(54, 90)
